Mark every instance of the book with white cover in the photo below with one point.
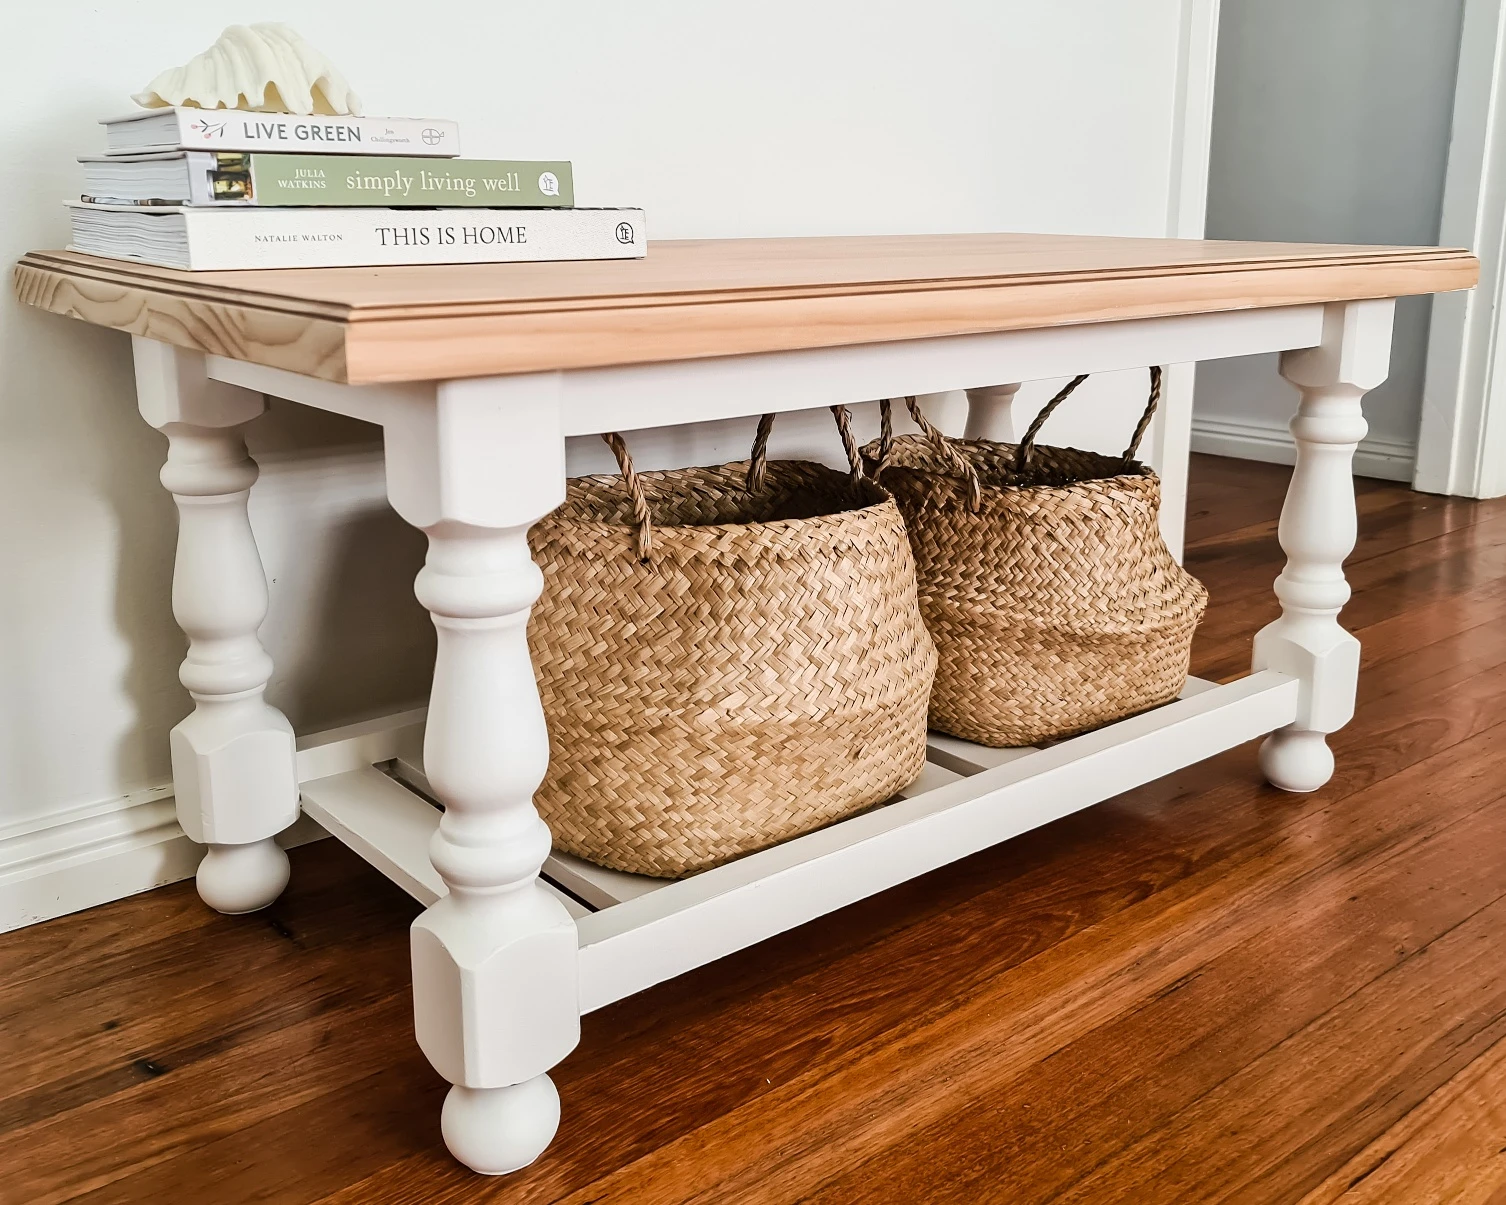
(236, 238)
(237, 130)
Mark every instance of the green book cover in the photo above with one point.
(398, 182)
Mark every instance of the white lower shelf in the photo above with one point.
(636, 932)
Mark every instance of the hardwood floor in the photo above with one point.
(1204, 990)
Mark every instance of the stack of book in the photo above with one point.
(224, 189)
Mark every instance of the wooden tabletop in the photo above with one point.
(697, 298)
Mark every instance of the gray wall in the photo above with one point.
(1330, 124)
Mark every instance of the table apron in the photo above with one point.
(633, 397)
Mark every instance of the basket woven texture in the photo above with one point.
(728, 657)
(1055, 604)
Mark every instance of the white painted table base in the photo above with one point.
(505, 963)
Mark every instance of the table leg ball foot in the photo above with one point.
(499, 1130)
(1295, 760)
(242, 878)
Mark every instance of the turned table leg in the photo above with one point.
(495, 981)
(234, 772)
(1317, 531)
(990, 413)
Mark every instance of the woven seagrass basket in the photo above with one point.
(1055, 604)
(728, 657)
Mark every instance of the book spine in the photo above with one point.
(234, 130)
(393, 182)
(230, 239)
(201, 167)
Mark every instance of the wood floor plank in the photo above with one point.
(1202, 990)
(345, 1132)
(1364, 1064)
(137, 1128)
(1447, 1149)
(79, 943)
(184, 994)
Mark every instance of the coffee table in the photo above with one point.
(478, 373)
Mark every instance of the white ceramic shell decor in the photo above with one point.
(266, 68)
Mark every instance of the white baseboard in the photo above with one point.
(90, 855)
(1254, 441)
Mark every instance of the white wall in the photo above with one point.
(1330, 124)
(787, 117)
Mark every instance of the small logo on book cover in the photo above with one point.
(549, 184)
(431, 136)
(209, 129)
(624, 232)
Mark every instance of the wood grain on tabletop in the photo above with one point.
(696, 298)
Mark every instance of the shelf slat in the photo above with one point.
(390, 827)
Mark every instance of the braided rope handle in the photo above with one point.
(955, 459)
(949, 452)
(958, 463)
(759, 460)
(1027, 445)
(1150, 410)
(641, 514)
(849, 443)
(758, 463)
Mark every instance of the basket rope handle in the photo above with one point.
(949, 452)
(641, 515)
(758, 464)
(1150, 410)
(849, 443)
(759, 460)
(1027, 445)
(940, 444)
